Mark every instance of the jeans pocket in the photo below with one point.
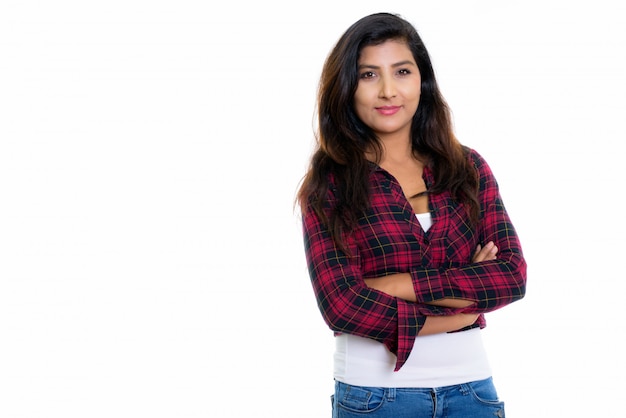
(484, 392)
(359, 398)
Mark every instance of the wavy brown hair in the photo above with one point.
(342, 138)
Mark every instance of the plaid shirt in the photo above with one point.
(389, 239)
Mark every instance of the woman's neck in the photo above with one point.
(397, 151)
(394, 150)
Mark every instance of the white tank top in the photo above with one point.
(435, 361)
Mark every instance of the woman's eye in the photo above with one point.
(367, 74)
(404, 71)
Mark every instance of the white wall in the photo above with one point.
(150, 256)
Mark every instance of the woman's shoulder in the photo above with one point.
(326, 195)
(486, 178)
(473, 154)
(477, 159)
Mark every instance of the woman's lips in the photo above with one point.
(387, 110)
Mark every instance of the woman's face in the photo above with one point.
(389, 88)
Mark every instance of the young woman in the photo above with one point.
(406, 237)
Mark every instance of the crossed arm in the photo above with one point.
(400, 285)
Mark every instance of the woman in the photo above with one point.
(406, 237)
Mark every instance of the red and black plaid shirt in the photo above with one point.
(389, 239)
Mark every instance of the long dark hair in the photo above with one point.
(343, 139)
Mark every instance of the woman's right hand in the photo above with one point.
(486, 253)
(439, 324)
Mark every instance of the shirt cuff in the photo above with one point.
(427, 285)
(410, 321)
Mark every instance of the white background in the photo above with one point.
(151, 262)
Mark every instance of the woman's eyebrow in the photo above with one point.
(397, 64)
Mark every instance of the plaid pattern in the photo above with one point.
(389, 239)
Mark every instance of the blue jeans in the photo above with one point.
(468, 400)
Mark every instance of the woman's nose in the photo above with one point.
(387, 89)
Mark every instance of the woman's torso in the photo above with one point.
(435, 360)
